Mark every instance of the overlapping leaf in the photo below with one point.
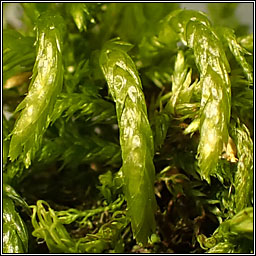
(45, 85)
(135, 136)
(195, 31)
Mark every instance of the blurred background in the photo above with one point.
(243, 12)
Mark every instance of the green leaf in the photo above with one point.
(160, 125)
(6, 141)
(99, 110)
(81, 14)
(181, 84)
(246, 42)
(74, 150)
(213, 123)
(45, 85)
(48, 227)
(228, 36)
(15, 236)
(242, 223)
(82, 217)
(242, 101)
(110, 184)
(193, 126)
(18, 55)
(135, 137)
(11, 193)
(92, 146)
(234, 235)
(243, 181)
(196, 32)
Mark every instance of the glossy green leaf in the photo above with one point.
(195, 31)
(135, 137)
(15, 236)
(45, 85)
(213, 123)
(92, 146)
(10, 192)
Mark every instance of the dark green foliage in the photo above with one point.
(18, 55)
(96, 109)
(74, 150)
(127, 128)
